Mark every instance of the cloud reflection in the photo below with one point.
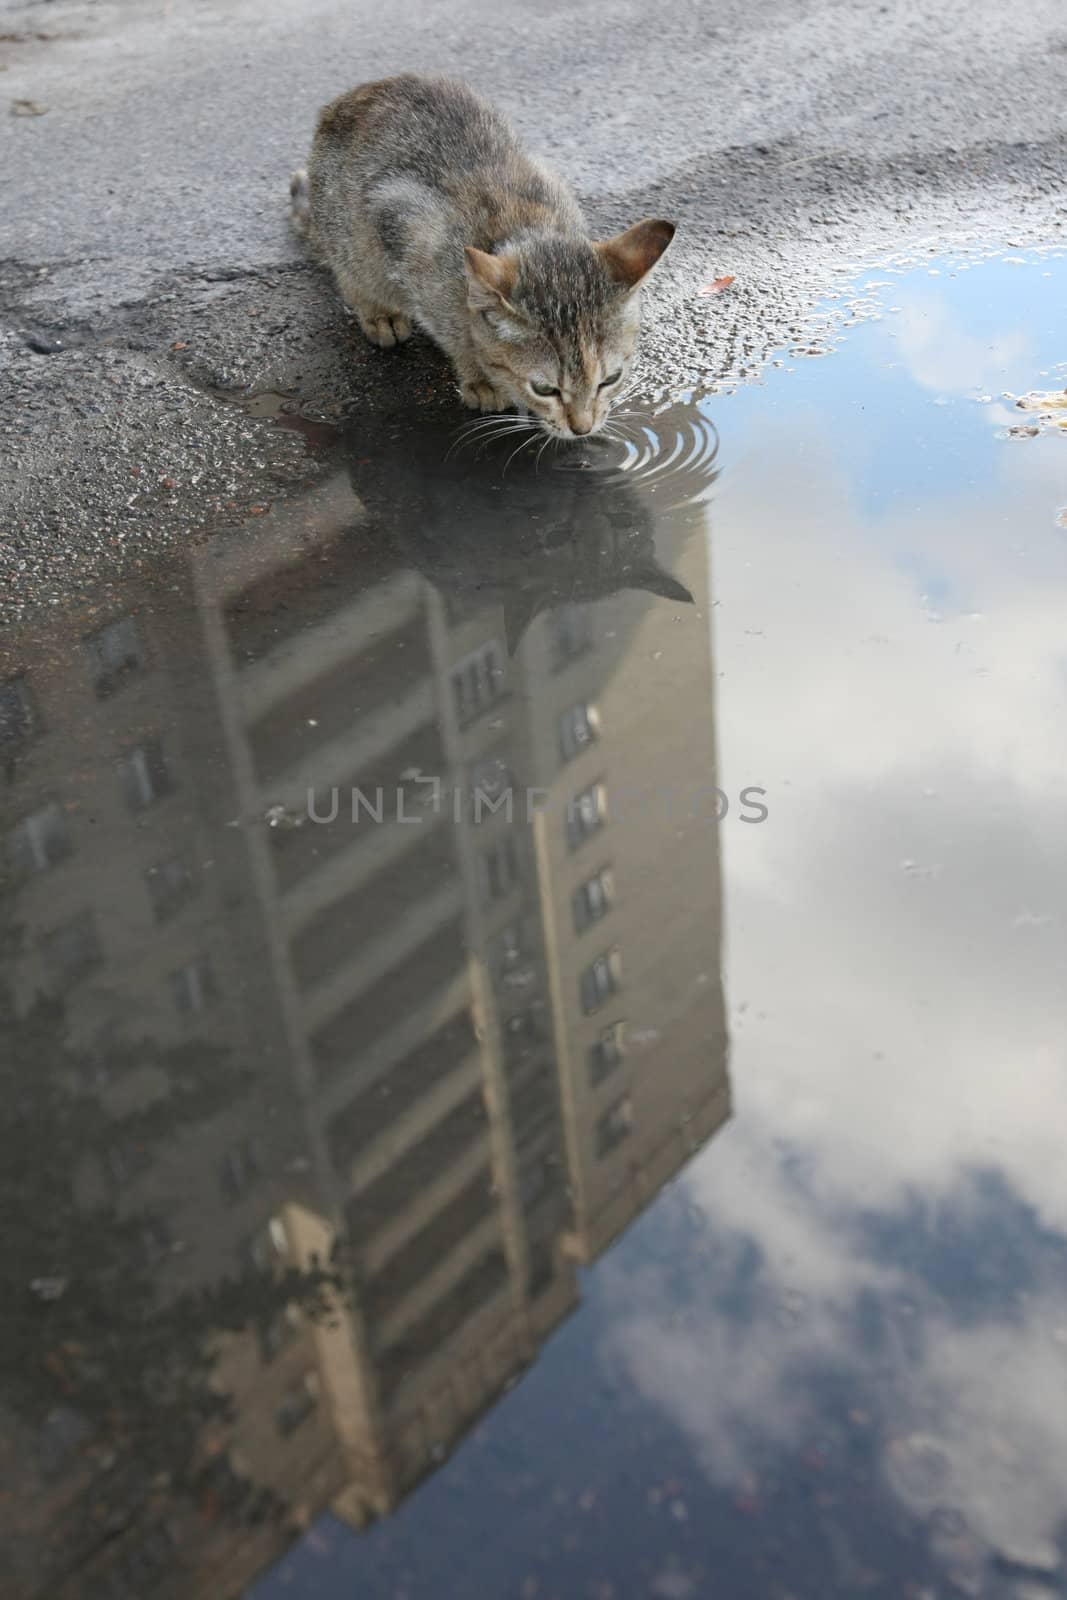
(897, 956)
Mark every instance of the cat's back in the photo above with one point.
(429, 142)
(411, 121)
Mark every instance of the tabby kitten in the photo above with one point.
(420, 199)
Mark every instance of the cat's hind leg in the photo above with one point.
(368, 286)
(383, 324)
(382, 327)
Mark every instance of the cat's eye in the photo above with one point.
(545, 390)
(610, 382)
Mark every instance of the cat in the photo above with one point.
(490, 526)
(421, 200)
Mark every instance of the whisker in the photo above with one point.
(548, 439)
(489, 436)
(479, 448)
(518, 450)
(505, 433)
(489, 428)
(497, 422)
(477, 424)
(492, 416)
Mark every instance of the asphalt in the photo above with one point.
(148, 280)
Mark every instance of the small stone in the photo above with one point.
(28, 108)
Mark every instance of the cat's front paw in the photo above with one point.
(480, 395)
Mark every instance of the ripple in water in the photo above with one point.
(676, 448)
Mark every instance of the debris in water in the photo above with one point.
(28, 108)
(1050, 408)
(1053, 400)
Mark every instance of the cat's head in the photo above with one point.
(555, 319)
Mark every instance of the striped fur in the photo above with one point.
(423, 204)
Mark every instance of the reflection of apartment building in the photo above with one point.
(510, 1036)
(435, 1144)
(480, 1046)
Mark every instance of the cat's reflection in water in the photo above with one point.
(489, 524)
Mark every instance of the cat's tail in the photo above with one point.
(300, 202)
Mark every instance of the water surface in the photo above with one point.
(534, 1012)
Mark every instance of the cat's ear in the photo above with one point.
(630, 256)
(490, 281)
(654, 579)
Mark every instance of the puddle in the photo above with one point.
(383, 1212)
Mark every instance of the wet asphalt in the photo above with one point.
(148, 279)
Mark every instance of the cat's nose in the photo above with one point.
(580, 424)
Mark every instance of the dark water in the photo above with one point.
(534, 1010)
